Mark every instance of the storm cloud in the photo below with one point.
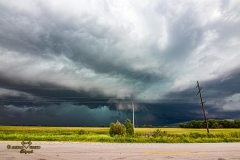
(62, 57)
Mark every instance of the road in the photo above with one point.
(116, 151)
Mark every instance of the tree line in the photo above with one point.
(212, 123)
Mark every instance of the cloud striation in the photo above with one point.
(59, 58)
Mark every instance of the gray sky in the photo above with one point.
(84, 62)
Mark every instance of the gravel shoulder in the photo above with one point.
(114, 151)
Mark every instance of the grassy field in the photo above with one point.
(94, 134)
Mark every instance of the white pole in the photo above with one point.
(133, 114)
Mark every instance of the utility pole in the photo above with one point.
(133, 114)
(199, 92)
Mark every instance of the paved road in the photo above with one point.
(113, 151)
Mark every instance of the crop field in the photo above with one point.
(101, 134)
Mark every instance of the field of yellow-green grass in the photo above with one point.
(101, 134)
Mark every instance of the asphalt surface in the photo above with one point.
(116, 151)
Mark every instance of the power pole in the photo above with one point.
(199, 92)
(133, 114)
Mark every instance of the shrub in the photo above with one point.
(148, 134)
(117, 129)
(81, 132)
(159, 133)
(196, 135)
(138, 134)
(235, 135)
(129, 127)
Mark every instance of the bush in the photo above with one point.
(117, 129)
(81, 132)
(159, 133)
(129, 127)
(196, 135)
(138, 134)
(235, 135)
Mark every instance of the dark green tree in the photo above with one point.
(129, 127)
(236, 123)
(117, 129)
(182, 125)
(213, 123)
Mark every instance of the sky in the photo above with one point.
(83, 63)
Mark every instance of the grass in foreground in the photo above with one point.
(95, 134)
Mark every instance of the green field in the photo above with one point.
(100, 134)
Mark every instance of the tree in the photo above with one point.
(213, 123)
(117, 129)
(237, 123)
(129, 127)
(227, 124)
(149, 126)
(111, 130)
(182, 125)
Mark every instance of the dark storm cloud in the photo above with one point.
(110, 53)
(64, 114)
